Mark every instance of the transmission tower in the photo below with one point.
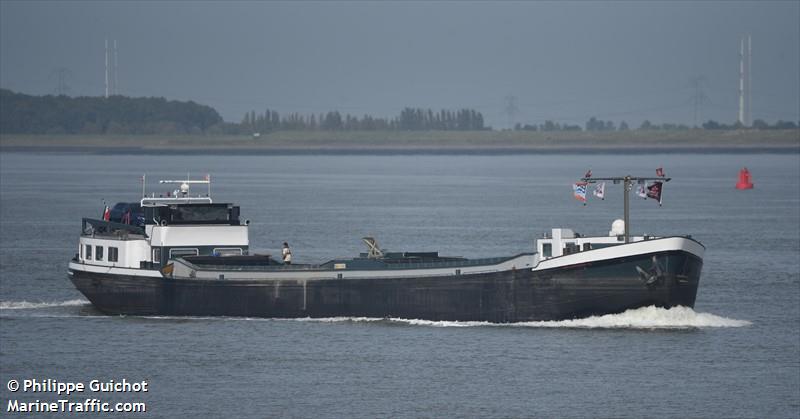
(61, 76)
(510, 109)
(699, 97)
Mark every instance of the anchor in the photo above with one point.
(651, 276)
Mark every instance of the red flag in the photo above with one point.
(106, 214)
(660, 172)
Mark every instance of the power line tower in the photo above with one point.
(510, 109)
(699, 97)
(62, 76)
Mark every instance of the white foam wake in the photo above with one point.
(647, 318)
(21, 305)
(641, 318)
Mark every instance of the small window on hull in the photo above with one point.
(156, 255)
(88, 252)
(98, 252)
(587, 246)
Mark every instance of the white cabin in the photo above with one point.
(564, 241)
(168, 226)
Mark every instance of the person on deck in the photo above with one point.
(287, 254)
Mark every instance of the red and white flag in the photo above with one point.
(640, 190)
(579, 191)
(106, 214)
(600, 190)
(660, 172)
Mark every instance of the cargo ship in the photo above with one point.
(184, 255)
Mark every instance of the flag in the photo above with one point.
(106, 214)
(600, 190)
(579, 191)
(660, 172)
(641, 191)
(588, 174)
(654, 191)
(208, 177)
(126, 219)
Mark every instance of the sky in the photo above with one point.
(562, 61)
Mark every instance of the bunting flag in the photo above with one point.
(660, 172)
(654, 191)
(588, 174)
(600, 190)
(106, 214)
(579, 191)
(641, 191)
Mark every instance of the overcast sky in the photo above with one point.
(564, 61)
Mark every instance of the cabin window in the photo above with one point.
(88, 252)
(547, 250)
(228, 251)
(113, 254)
(177, 253)
(587, 246)
(98, 252)
(157, 255)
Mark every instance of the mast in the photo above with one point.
(627, 185)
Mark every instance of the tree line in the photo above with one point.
(596, 125)
(26, 114)
(409, 119)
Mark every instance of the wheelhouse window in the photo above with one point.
(227, 251)
(113, 254)
(181, 252)
(98, 252)
(88, 255)
(547, 250)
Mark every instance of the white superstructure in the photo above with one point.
(175, 224)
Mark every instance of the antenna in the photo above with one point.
(741, 82)
(749, 85)
(116, 79)
(106, 68)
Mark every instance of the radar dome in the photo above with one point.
(617, 228)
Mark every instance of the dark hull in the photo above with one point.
(579, 291)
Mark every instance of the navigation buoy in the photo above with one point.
(745, 182)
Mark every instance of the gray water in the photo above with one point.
(737, 354)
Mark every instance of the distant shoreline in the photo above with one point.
(419, 142)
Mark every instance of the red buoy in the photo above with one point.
(745, 181)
